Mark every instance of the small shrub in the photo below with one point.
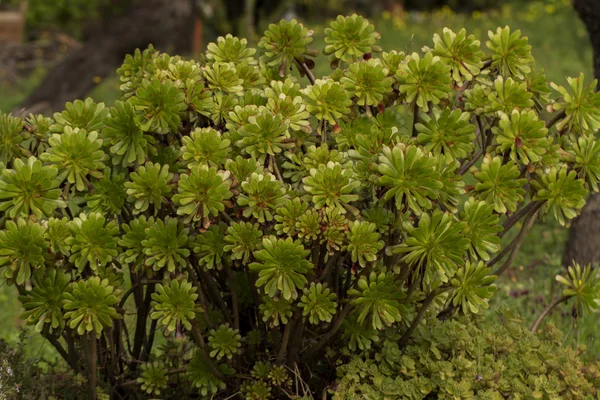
(225, 227)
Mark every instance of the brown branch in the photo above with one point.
(516, 216)
(306, 70)
(92, 364)
(286, 339)
(420, 315)
(546, 311)
(335, 327)
(234, 298)
(550, 123)
(465, 167)
(515, 244)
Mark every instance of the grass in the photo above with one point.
(560, 46)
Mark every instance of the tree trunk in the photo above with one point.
(583, 245)
(167, 24)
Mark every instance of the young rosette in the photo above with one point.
(582, 283)
(563, 193)
(173, 305)
(481, 228)
(242, 238)
(43, 304)
(275, 312)
(22, 251)
(511, 52)
(210, 247)
(424, 80)
(154, 378)
(286, 43)
(581, 106)
(349, 38)
(224, 342)
(447, 132)
(260, 197)
(367, 82)
(332, 185)
(318, 303)
(230, 49)
(327, 100)
(460, 52)
(30, 189)
(377, 298)
(522, 135)
(11, 138)
(205, 147)
(363, 242)
(473, 287)
(79, 114)
(166, 245)
(203, 377)
(499, 184)
(93, 241)
(282, 267)
(90, 305)
(149, 186)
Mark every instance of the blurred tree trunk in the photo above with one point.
(167, 24)
(583, 245)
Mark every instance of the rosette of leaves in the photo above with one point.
(537, 84)
(56, 234)
(210, 247)
(279, 376)
(349, 38)
(275, 311)
(158, 105)
(263, 135)
(10, 138)
(392, 60)
(30, 188)
(258, 390)
(90, 305)
(261, 370)
(241, 168)
(166, 245)
(150, 184)
(22, 250)
(409, 176)
(347, 132)
(522, 135)
(282, 267)
(238, 117)
(308, 226)
(222, 106)
(286, 42)
(363, 242)
(291, 109)
(261, 196)
(93, 241)
(499, 184)
(581, 105)
(287, 215)
(331, 185)
(377, 298)
(511, 52)
(224, 342)
(322, 155)
(128, 143)
(318, 303)
(202, 193)
(44, 302)
(153, 378)
(334, 228)
(472, 287)
(131, 240)
(452, 184)
(327, 100)
(481, 228)
(359, 336)
(173, 304)
(424, 80)
(199, 101)
(205, 147)
(508, 95)
(252, 79)
(586, 151)
(242, 238)
(584, 285)
(86, 115)
(230, 49)
(77, 154)
(477, 99)
(563, 193)
(223, 78)
(447, 132)
(135, 68)
(367, 82)
(108, 195)
(460, 52)
(437, 245)
(202, 376)
(380, 216)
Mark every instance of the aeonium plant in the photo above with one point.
(232, 225)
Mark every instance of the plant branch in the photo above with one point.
(197, 335)
(550, 123)
(337, 324)
(286, 339)
(516, 216)
(465, 167)
(92, 365)
(306, 70)
(546, 311)
(420, 315)
(515, 245)
(234, 299)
